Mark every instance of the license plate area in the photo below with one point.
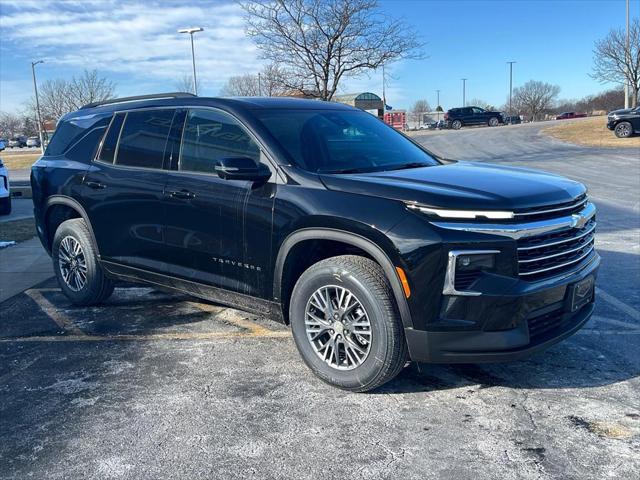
(581, 293)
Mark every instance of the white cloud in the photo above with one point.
(134, 38)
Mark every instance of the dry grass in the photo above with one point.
(590, 131)
(17, 230)
(14, 161)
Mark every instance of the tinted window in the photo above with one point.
(107, 153)
(69, 131)
(210, 135)
(336, 141)
(143, 138)
(478, 110)
(84, 150)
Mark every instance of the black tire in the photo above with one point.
(624, 130)
(366, 280)
(493, 122)
(5, 206)
(97, 287)
(456, 124)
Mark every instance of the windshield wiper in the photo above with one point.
(409, 165)
(350, 170)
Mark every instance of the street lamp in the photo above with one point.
(35, 88)
(191, 31)
(510, 84)
(464, 92)
(438, 105)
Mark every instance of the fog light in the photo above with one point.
(476, 262)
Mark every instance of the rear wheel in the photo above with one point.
(345, 323)
(5, 206)
(456, 124)
(623, 130)
(493, 122)
(75, 264)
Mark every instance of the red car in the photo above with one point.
(567, 115)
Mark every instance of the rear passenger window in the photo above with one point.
(110, 142)
(210, 135)
(143, 138)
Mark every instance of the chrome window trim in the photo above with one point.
(527, 229)
(449, 287)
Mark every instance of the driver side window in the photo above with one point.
(210, 135)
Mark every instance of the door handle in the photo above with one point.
(182, 194)
(95, 185)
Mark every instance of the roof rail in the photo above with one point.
(139, 97)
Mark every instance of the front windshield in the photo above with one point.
(337, 141)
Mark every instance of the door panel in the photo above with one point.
(124, 199)
(206, 215)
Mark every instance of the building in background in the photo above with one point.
(367, 101)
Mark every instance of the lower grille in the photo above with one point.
(550, 254)
(542, 324)
(465, 279)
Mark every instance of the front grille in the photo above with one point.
(552, 211)
(545, 323)
(554, 253)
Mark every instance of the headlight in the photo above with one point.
(461, 214)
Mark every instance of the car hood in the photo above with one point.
(462, 185)
(621, 111)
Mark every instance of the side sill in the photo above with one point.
(259, 306)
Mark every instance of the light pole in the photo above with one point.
(627, 59)
(438, 105)
(191, 31)
(259, 85)
(35, 88)
(510, 84)
(464, 92)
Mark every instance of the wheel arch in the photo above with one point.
(52, 205)
(353, 239)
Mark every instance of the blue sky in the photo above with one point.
(135, 44)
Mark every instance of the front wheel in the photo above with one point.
(623, 130)
(493, 122)
(75, 264)
(345, 323)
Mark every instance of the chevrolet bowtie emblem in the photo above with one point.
(578, 221)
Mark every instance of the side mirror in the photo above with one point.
(242, 168)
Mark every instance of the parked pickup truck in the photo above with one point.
(568, 115)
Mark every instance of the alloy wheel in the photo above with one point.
(623, 130)
(72, 263)
(338, 327)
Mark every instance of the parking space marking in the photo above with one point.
(617, 323)
(249, 329)
(619, 304)
(52, 312)
(145, 338)
(255, 330)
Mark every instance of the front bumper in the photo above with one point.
(611, 124)
(512, 330)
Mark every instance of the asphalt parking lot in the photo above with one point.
(156, 385)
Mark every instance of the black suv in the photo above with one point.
(456, 118)
(624, 122)
(371, 248)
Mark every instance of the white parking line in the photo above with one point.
(619, 304)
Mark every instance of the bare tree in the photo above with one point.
(270, 82)
(185, 84)
(317, 43)
(59, 96)
(10, 125)
(534, 98)
(613, 63)
(420, 107)
(241, 86)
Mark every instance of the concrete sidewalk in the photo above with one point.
(22, 266)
